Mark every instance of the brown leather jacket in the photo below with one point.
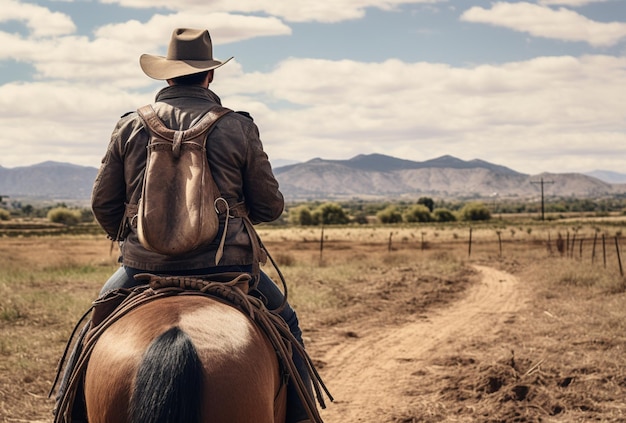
(238, 163)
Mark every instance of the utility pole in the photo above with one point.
(542, 183)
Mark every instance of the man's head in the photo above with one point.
(202, 79)
(190, 52)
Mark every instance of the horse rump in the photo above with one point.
(168, 385)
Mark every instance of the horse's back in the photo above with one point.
(240, 372)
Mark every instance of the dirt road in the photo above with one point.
(370, 372)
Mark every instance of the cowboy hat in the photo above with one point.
(190, 51)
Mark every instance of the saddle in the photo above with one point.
(229, 288)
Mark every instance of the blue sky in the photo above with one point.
(535, 85)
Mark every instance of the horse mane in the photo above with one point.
(168, 380)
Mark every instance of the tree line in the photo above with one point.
(425, 209)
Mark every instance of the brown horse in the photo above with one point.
(184, 359)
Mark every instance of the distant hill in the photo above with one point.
(373, 176)
(608, 176)
(48, 181)
(383, 163)
(381, 176)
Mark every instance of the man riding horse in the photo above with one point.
(239, 166)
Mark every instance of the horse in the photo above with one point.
(191, 359)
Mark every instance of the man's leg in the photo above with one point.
(124, 277)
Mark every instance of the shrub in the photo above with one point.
(301, 215)
(86, 215)
(428, 202)
(389, 214)
(331, 214)
(64, 215)
(475, 211)
(418, 213)
(5, 215)
(444, 215)
(360, 218)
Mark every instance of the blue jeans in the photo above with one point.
(273, 297)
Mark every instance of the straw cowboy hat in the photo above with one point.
(190, 51)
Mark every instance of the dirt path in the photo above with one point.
(368, 374)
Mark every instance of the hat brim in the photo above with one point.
(158, 67)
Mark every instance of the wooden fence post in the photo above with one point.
(322, 246)
(389, 243)
(560, 244)
(580, 249)
(469, 248)
(593, 248)
(619, 259)
(549, 244)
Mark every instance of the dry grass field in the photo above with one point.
(406, 324)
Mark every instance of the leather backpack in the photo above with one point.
(178, 209)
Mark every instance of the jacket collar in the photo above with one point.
(176, 91)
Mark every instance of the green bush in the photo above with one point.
(444, 215)
(65, 216)
(326, 213)
(5, 215)
(418, 213)
(389, 214)
(475, 211)
(330, 214)
(301, 215)
(86, 216)
(360, 218)
(428, 202)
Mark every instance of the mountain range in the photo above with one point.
(381, 176)
(372, 176)
(51, 181)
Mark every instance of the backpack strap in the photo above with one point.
(155, 125)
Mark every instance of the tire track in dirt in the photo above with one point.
(368, 374)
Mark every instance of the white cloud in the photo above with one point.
(76, 58)
(40, 21)
(542, 21)
(506, 113)
(573, 3)
(60, 121)
(225, 28)
(113, 55)
(292, 10)
(422, 110)
(545, 114)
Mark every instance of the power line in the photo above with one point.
(542, 183)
